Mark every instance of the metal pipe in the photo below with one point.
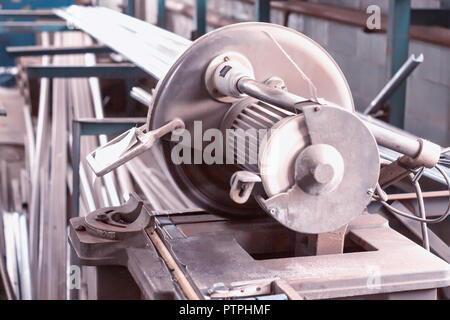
(271, 95)
(94, 84)
(401, 75)
(395, 141)
(184, 283)
(151, 48)
(142, 96)
(41, 134)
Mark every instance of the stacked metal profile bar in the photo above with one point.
(47, 178)
(153, 49)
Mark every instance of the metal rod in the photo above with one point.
(39, 158)
(57, 222)
(395, 141)
(184, 283)
(4, 276)
(105, 71)
(29, 134)
(32, 27)
(35, 14)
(402, 74)
(94, 84)
(413, 195)
(27, 51)
(142, 96)
(266, 93)
(76, 143)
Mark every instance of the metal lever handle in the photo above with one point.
(144, 141)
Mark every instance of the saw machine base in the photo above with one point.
(197, 255)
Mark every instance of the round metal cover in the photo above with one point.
(183, 94)
(314, 214)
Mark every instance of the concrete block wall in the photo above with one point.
(428, 94)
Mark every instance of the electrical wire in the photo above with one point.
(445, 157)
(422, 212)
(420, 198)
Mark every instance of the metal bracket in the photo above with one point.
(242, 184)
(116, 223)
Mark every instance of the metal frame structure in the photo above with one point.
(28, 51)
(200, 18)
(161, 13)
(27, 11)
(398, 50)
(262, 10)
(33, 27)
(105, 71)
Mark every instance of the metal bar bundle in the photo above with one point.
(47, 174)
(151, 48)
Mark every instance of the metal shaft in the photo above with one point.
(269, 94)
(141, 96)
